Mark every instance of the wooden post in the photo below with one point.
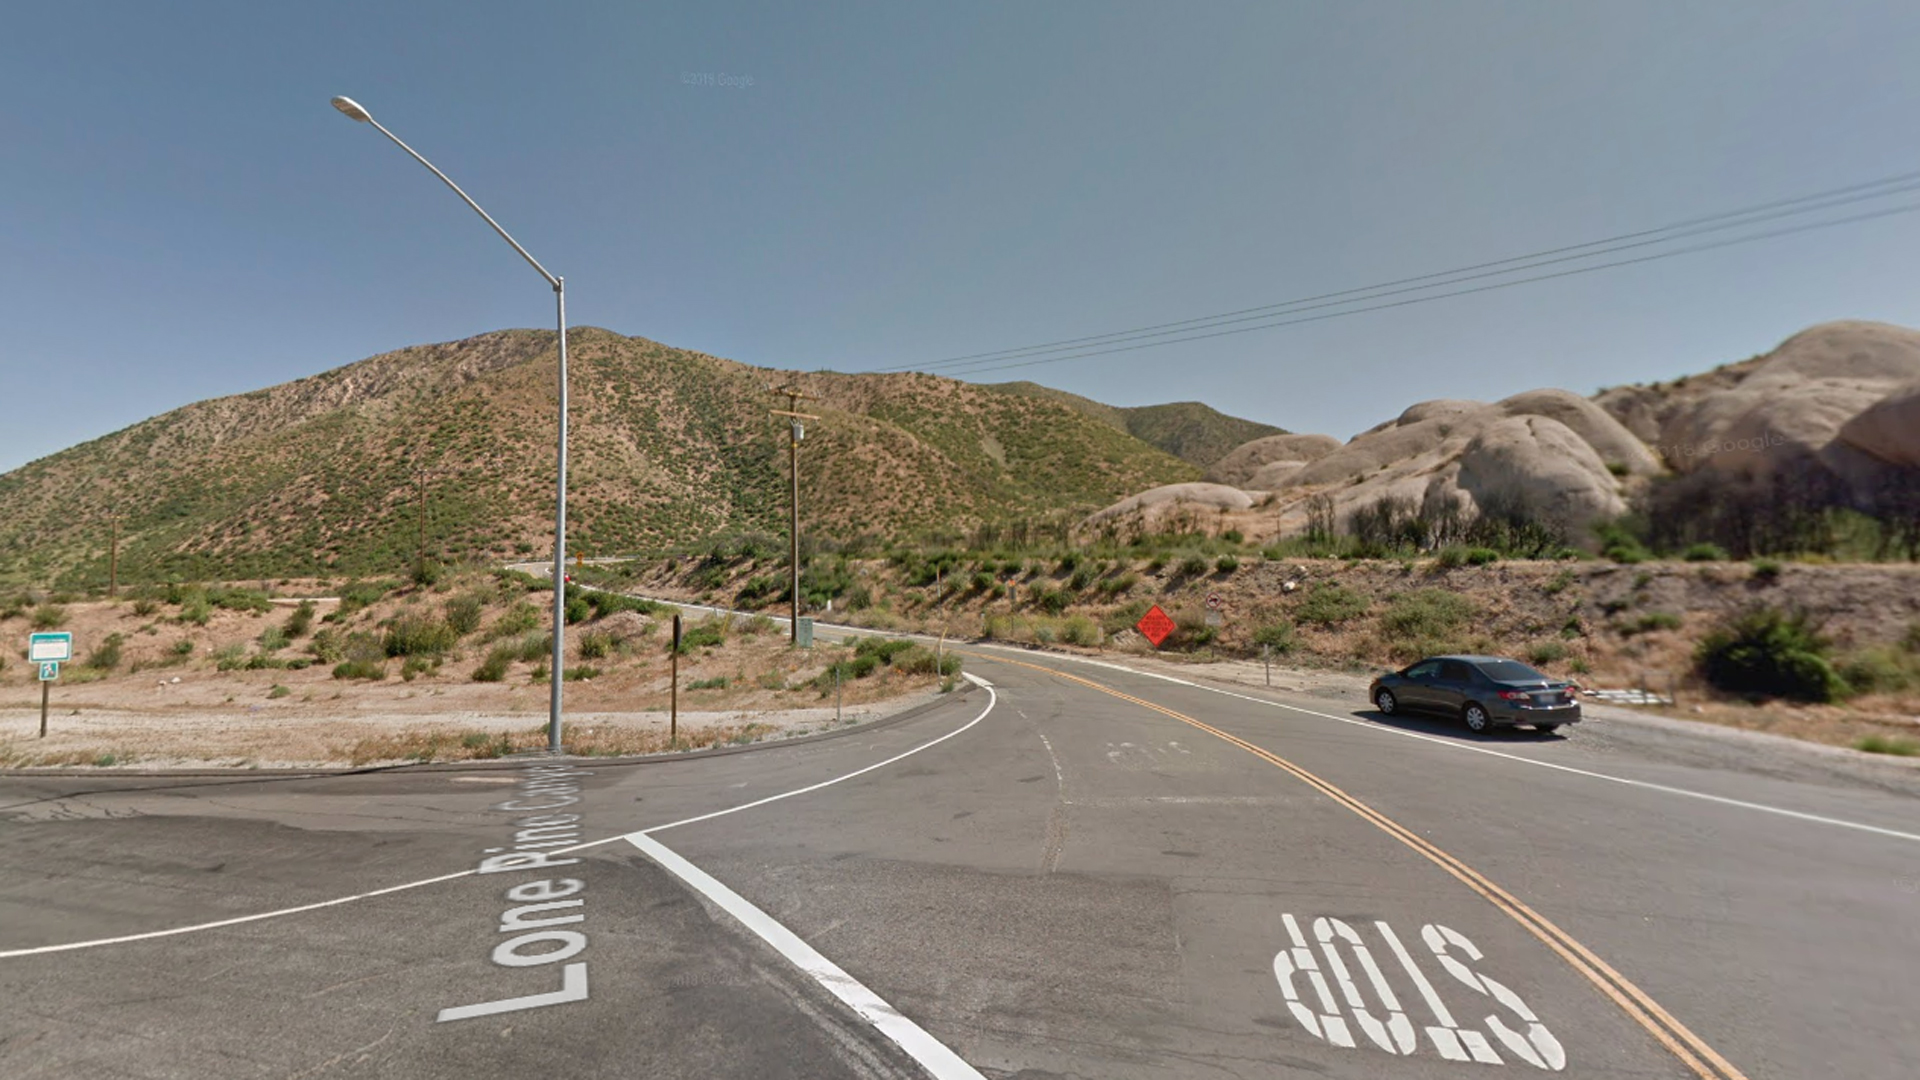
(673, 715)
(43, 707)
(1266, 660)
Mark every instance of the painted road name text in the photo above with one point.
(550, 793)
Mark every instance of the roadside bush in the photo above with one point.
(595, 645)
(1193, 566)
(196, 609)
(612, 603)
(1704, 552)
(144, 606)
(707, 634)
(415, 666)
(1330, 605)
(464, 613)
(1651, 621)
(1052, 601)
(884, 649)
(361, 669)
(519, 619)
(106, 655)
(1227, 564)
(1885, 744)
(718, 682)
(273, 639)
(1881, 670)
(231, 658)
(1277, 635)
(1766, 571)
(359, 594)
(532, 648)
(1770, 653)
(301, 620)
(1080, 630)
(1546, 652)
(49, 617)
(418, 635)
(1426, 613)
(1481, 556)
(1117, 586)
(760, 589)
(243, 600)
(494, 667)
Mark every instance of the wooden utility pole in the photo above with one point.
(420, 476)
(796, 431)
(113, 554)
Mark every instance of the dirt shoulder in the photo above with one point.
(408, 673)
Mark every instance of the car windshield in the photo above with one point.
(1509, 671)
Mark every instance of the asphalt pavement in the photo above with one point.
(1077, 871)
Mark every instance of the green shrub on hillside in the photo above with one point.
(494, 667)
(1330, 605)
(360, 669)
(1277, 635)
(301, 620)
(1704, 552)
(1426, 613)
(106, 655)
(1770, 653)
(418, 635)
(464, 613)
(49, 617)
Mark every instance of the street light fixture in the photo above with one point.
(352, 110)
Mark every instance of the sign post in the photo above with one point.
(48, 650)
(673, 714)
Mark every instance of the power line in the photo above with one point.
(1695, 249)
(1745, 216)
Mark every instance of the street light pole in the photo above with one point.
(353, 111)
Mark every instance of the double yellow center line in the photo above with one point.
(1670, 1032)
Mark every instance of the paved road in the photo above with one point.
(1080, 872)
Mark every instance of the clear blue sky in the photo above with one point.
(184, 217)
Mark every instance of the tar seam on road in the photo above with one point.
(1692, 1051)
(124, 939)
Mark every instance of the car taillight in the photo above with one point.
(1516, 695)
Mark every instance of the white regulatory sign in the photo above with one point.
(54, 647)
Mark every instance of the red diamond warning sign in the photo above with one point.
(1155, 625)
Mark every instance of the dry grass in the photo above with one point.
(423, 745)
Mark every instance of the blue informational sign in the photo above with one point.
(49, 670)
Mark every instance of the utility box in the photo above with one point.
(803, 632)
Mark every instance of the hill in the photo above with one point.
(1764, 456)
(334, 474)
(1188, 430)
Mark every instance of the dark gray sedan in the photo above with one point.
(1483, 691)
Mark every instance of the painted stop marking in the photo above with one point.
(1155, 625)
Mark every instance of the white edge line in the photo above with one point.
(1450, 744)
(1648, 784)
(931, 1053)
(992, 699)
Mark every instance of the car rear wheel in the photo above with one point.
(1476, 717)
(1385, 702)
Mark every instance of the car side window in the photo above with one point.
(1456, 671)
(1424, 671)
